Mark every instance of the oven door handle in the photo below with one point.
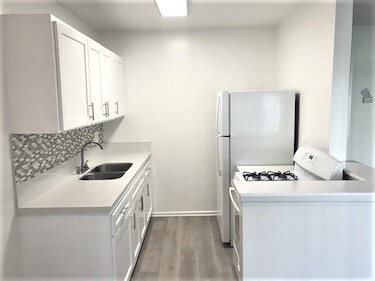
(232, 199)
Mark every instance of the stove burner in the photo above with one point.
(269, 176)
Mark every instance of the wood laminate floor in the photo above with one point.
(182, 249)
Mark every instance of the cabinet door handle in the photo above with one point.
(141, 200)
(134, 220)
(92, 110)
(116, 103)
(148, 190)
(106, 109)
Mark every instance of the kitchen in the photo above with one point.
(157, 64)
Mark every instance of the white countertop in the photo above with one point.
(319, 190)
(60, 189)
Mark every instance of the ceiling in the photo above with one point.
(111, 15)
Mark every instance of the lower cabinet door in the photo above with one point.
(134, 233)
(147, 200)
(122, 252)
(141, 214)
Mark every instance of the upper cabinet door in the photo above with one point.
(113, 88)
(71, 80)
(107, 87)
(118, 83)
(72, 63)
(95, 65)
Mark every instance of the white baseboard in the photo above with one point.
(185, 214)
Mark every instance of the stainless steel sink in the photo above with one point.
(102, 176)
(112, 167)
(108, 171)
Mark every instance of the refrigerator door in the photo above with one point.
(222, 187)
(262, 128)
(222, 164)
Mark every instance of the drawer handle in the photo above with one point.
(124, 210)
(148, 190)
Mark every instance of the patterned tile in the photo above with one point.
(34, 154)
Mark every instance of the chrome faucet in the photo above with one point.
(84, 167)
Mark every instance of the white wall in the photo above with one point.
(10, 255)
(48, 7)
(9, 251)
(170, 84)
(361, 144)
(305, 61)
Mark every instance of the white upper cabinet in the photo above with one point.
(118, 84)
(72, 65)
(95, 66)
(113, 86)
(58, 78)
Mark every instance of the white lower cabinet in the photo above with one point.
(134, 234)
(87, 246)
(122, 252)
(141, 214)
(147, 198)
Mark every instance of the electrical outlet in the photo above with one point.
(96, 136)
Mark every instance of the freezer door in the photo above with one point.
(262, 126)
(222, 187)
(222, 113)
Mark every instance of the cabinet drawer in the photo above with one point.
(140, 180)
(120, 213)
(121, 210)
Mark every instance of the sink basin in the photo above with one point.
(102, 176)
(112, 167)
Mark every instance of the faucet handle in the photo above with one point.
(85, 165)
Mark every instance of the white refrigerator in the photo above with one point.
(252, 128)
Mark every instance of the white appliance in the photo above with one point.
(310, 164)
(252, 128)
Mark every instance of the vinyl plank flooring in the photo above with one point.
(169, 269)
(184, 249)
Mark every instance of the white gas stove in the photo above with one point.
(310, 164)
(290, 219)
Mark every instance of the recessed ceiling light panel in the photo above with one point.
(172, 8)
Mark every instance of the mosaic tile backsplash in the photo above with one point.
(34, 154)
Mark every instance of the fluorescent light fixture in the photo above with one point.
(172, 8)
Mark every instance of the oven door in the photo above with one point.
(235, 231)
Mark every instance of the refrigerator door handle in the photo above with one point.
(219, 153)
(219, 168)
(218, 115)
(221, 136)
